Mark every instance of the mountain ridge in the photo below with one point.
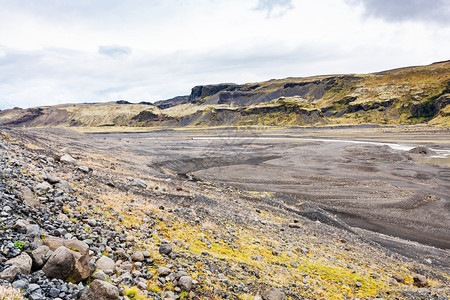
(401, 96)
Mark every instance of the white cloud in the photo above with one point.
(78, 51)
(436, 11)
(275, 8)
(114, 51)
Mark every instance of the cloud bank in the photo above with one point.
(85, 51)
(437, 11)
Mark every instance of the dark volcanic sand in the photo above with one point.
(370, 186)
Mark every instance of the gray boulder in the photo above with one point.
(273, 294)
(29, 198)
(106, 264)
(40, 256)
(163, 271)
(101, 290)
(44, 186)
(67, 159)
(60, 264)
(185, 283)
(63, 185)
(420, 280)
(139, 183)
(84, 169)
(137, 256)
(51, 179)
(399, 278)
(23, 262)
(165, 249)
(9, 274)
(100, 275)
(80, 251)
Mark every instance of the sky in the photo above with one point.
(63, 51)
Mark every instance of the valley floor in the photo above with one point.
(246, 210)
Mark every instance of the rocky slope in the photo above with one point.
(402, 96)
(80, 224)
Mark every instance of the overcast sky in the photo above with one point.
(62, 51)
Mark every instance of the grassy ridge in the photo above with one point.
(411, 95)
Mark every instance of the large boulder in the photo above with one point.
(23, 262)
(67, 159)
(60, 264)
(185, 283)
(273, 294)
(29, 198)
(106, 264)
(9, 274)
(101, 290)
(137, 256)
(139, 183)
(420, 280)
(40, 256)
(165, 249)
(80, 251)
(163, 271)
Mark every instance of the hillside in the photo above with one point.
(409, 95)
(83, 218)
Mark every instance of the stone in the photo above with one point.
(36, 296)
(180, 274)
(127, 266)
(142, 285)
(80, 252)
(421, 150)
(29, 198)
(62, 217)
(20, 284)
(51, 179)
(10, 273)
(67, 159)
(273, 294)
(100, 275)
(54, 292)
(392, 282)
(420, 280)
(60, 264)
(163, 271)
(84, 169)
(185, 283)
(63, 185)
(106, 264)
(23, 262)
(43, 186)
(257, 257)
(125, 279)
(137, 256)
(165, 249)
(40, 256)
(33, 230)
(139, 183)
(399, 278)
(295, 225)
(101, 290)
(21, 226)
(33, 287)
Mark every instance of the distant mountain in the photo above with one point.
(408, 95)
